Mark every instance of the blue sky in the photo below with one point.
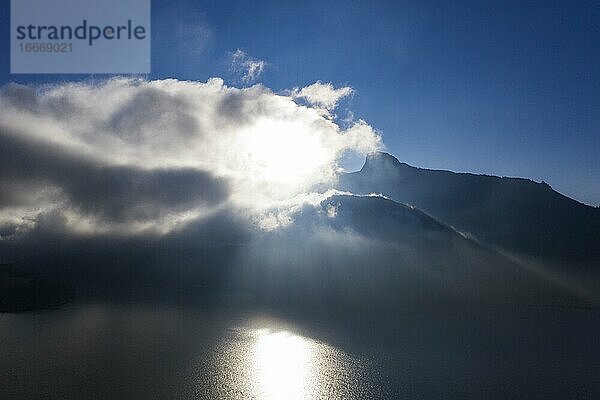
(506, 88)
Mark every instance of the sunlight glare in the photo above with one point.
(284, 153)
(283, 365)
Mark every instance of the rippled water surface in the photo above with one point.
(122, 351)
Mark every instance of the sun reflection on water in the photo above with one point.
(265, 361)
(283, 366)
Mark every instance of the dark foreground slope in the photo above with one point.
(515, 214)
(363, 251)
(347, 254)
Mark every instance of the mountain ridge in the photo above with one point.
(515, 214)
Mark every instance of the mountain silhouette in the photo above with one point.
(514, 214)
(436, 237)
(423, 257)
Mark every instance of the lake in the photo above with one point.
(139, 349)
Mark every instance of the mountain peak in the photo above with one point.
(379, 160)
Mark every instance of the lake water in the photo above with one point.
(129, 350)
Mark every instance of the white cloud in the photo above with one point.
(246, 68)
(133, 155)
(322, 95)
